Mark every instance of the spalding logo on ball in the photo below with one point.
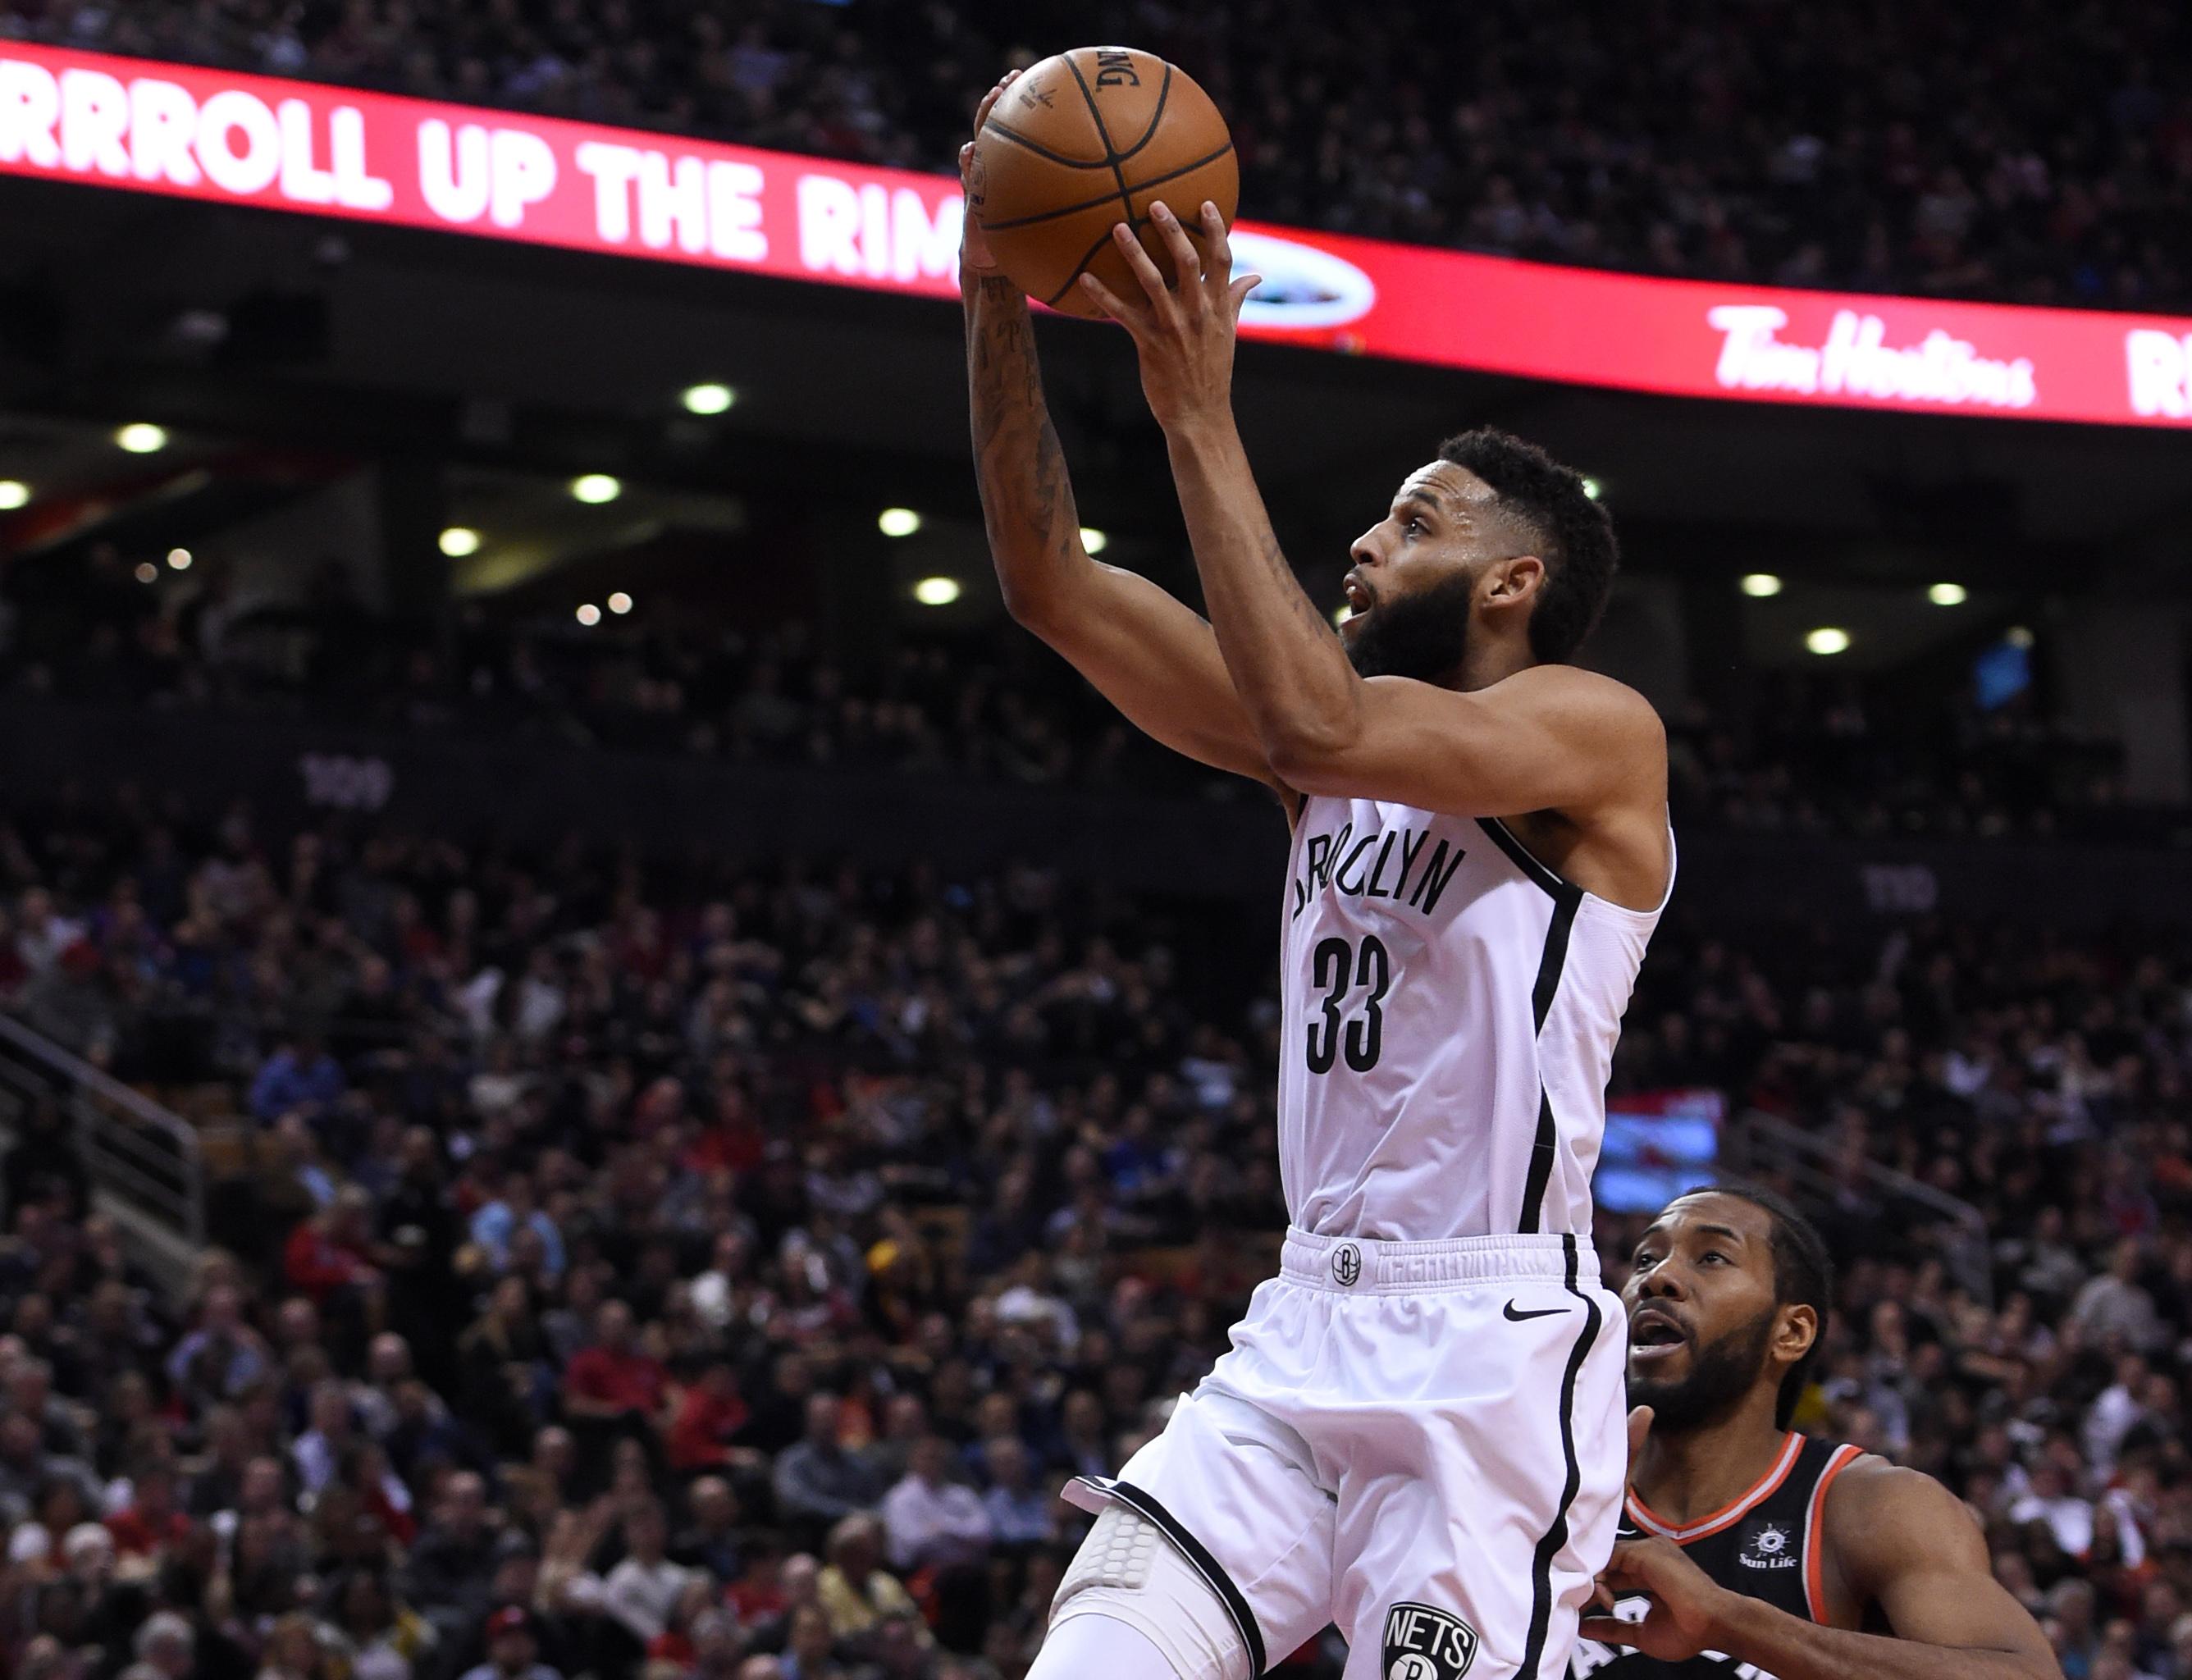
(1082, 142)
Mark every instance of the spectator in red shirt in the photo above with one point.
(152, 1522)
(710, 1412)
(615, 1381)
(733, 1140)
(758, 1594)
(333, 1249)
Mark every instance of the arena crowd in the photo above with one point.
(1803, 753)
(619, 1271)
(2027, 151)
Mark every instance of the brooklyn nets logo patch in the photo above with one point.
(1422, 1644)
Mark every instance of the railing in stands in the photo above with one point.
(1815, 1166)
(145, 1163)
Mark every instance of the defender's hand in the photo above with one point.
(1684, 1616)
(974, 256)
(1184, 338)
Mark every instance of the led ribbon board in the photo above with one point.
(227, 138)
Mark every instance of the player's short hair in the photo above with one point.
(1803, 1276)
(1571, 532)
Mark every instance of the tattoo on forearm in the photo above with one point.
(1282, 574)
(1012, 430)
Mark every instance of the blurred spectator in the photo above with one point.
(1019, 1512)
(299, 1079)
(643, 1592)
(928, 1519)
(855, 1592)
(512, 1649)
(817, 1481)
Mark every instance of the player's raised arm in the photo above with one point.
(1149, 654)
(1500, 729)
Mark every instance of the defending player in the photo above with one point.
(1750, 1550)
(1418, 1432)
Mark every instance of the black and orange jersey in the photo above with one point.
(1765, 1545)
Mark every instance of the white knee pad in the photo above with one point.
(1127, 1569)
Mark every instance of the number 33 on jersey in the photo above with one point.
(1452, 1006)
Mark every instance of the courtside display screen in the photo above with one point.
(216, 135)
(1657, 1146)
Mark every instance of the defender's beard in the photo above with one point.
(1422, 633)
(1721, 1374)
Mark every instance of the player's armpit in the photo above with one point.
(1549, 737)
(1157, 659)
(1901, 1540)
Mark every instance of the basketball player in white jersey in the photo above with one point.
(1419, 1432)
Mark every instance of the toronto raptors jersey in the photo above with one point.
(1451, 1007)
(1766, 1545)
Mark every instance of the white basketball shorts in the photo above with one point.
(1423, 1442)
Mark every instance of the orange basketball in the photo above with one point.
(1082, 142)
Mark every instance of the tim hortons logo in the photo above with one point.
(1857, 360)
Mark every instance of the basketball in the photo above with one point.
(1082, 142)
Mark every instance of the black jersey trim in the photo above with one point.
(1213, 1572)
(1518, 855)
(1556, 1536)
(1543, 1148)
(1546, 1145)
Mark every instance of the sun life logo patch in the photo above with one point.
(1423, 1642)
(1768, 1548)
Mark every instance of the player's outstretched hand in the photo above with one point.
(1184, 338)
(974, 254)
(1684, 1617)
(1685, 1603)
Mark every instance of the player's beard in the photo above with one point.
(1722, 1374)
(1422, 633)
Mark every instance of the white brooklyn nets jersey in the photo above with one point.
(1450, 1008)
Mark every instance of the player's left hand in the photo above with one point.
(1184, 338)
(1684, 1618)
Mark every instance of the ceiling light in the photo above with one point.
(1591, 488)
(1827, 639)
(1948, 594)
(179, 558)
(898, 522)
(13, 492)
(2019, 636)
(458, 540)
(147, 572)
(1760, 585)
(937, 591)
(1094, 541)
(589, 615)
(141, 438)
(619, 603)
(595, 488)
(708, 399)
